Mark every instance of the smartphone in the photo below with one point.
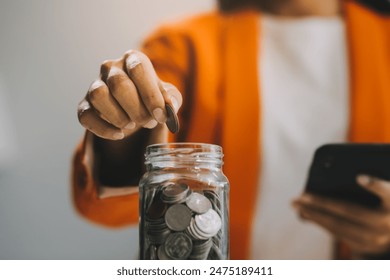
(335, 166)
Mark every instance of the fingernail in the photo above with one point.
(130, 125)
(175, 104)
(158, 114)
(132, 61)
(96, 84)
(151, 124)
(118, 135)
(114, 71)
(363, 180)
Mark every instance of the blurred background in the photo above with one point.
(50, 51)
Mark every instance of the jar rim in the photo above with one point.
(184, 153)
(195, 145)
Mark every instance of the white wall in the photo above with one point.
(50, 51)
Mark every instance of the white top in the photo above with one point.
(304, 93)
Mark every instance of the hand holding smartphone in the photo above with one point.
(335, 167)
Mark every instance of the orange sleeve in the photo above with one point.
(113, 211)
(169, 49)
(169, 57)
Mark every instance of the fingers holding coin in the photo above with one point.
(161, 99)
(173, 102)
(129, 96)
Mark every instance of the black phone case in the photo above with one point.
(335, 167)
(380, 6)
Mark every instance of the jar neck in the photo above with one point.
(183, 155)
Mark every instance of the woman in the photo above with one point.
(270, 87)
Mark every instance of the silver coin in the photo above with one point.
(178, 217)
(172, 119)
(173, 189)
(156, 227)
(209, 222)
(189, 232)
(214, 199)
(201, 246)
(198, 203)
(217, 241)
(215, 253)
(193, 233)
(156, 230)
(161, 253)
(212, 194)
(178, 246)
(200, 249)
(158, 238)
(201, 234)
(174, 193)
(155, 223)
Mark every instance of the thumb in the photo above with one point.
(377, 186)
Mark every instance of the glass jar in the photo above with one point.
(184, 203)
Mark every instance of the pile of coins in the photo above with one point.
(182, 224)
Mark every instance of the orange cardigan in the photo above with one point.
(212, 59)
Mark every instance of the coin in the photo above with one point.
(172, 119)
(158, 237)
(217, 240)
(174, 193)
(156, 230)
(200, 234)
(172, 189)
(178, 217)
(161, 253)
(178, 246)
(198, 203)
(200, 249)
(215, 253)
(214, 199)
(208, 223)
(193, 233)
